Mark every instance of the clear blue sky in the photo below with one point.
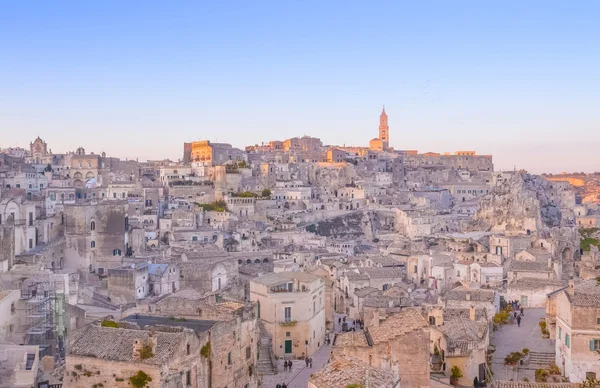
(519, 80)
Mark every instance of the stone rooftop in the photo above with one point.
(405, 321)
(362, 292)
(345, 371)
(351, 338)
(475, 294)
(463, 329)
(586, 294)
(116, 344)
(529, 266)
(382, 273)
(456, 313)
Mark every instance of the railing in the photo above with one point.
(289, 321)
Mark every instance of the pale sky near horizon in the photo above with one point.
(136, 79)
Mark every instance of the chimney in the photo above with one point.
(571, 288)
(472, 312)
(137, 348)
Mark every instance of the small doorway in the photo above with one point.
(288, 346)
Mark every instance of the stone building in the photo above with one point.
(344, 372)
(463, 342)
(400, 343)
(19, 366)
(96, 235)
(19, 214)
(292, 307)
(169, 353)
(574, 312)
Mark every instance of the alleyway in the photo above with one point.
(298, 377)
(511, 338)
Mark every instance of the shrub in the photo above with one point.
(513, 358)
(205, 350)
(217, 206)
(78, 367)
(146, 352)
(140, 380)
(525, 351)
(266, 193)
(543, 328)
(554, 369)
(109, 323)
(456, 372)
(541, 375)
(119, 379)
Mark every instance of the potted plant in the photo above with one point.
(455, 374)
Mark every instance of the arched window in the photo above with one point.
(93, 225)
(93, 244)
(194, 238)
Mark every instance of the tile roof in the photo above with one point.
(456, 313)
(529, 266)
(351, 338)
(344, 371)
(405, 321)
(362, 292)
(116, 344)
(475, 294)
(586, 294)
(463, 329)
(382, 273)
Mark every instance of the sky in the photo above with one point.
(518, 80)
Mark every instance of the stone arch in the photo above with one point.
(89, 175)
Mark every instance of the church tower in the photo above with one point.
(384, 129)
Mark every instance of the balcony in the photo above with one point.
(289, 321)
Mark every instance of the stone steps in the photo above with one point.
(538, 360)
(265, 363)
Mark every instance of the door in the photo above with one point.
(258, 310)
(288, 346)
(524, 300)
(499, 250)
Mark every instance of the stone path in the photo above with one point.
(298, 377)
(511, 338)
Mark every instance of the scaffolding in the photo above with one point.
(45, 316)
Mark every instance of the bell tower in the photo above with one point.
(384, 129)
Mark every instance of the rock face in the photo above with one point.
(357, 224)
(524, 202)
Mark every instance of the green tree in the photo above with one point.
(266, 193)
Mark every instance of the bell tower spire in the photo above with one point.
(384, 129)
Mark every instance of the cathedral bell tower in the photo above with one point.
(384, 129)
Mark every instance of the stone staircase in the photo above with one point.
(266, 364)
(539, 360)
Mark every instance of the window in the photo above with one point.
(432, 320)
(598, 321)
(288, 334)
(229, 358)
(93, 244)
(116, 252)
(114, 195)
(567, 340)
(187, 348)
(248, 352)
(12, 308)
(595, 345)
(288, 314)
(560, 333)
(188, 378)
(30, 243)
(93, 225)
